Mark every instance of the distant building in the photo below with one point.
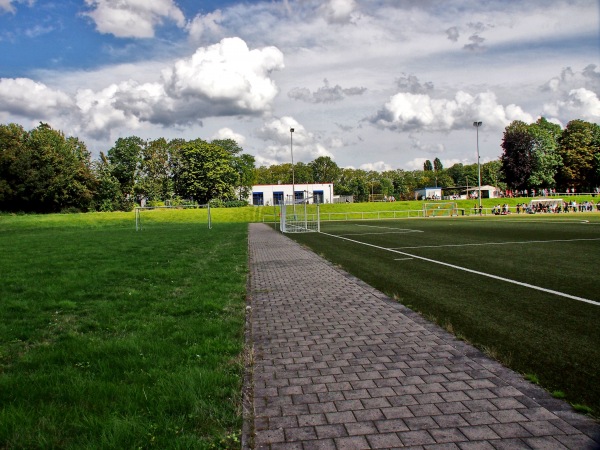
(428, 193)
(275, 194)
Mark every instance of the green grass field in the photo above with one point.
(115, 339)
(471, 276)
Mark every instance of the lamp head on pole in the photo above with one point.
(477, 124)
(291, 130)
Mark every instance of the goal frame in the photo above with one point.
(440, 209)
(294, 217)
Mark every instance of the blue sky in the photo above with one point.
(375, 84)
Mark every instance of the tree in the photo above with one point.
(244, 168)
(437, 165)
(13, 140)
(546, 158)
(107, 196)
(125, 159)
(205, 172)
(154, 178)
(324, 170)
(579, 148)
(517, 159)
(45, 171)
(427, 166)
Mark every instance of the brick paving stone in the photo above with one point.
(331, 431)
(544, 443)
(338, 365)
(475, 445)
(384, 440)
(416, 438)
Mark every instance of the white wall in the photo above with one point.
(268, 192)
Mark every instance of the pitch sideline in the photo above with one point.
(496, 277)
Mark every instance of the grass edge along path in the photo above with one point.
(116, 339)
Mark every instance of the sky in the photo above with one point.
(373, 84)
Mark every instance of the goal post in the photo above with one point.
(147, 216)
(440, 209)
(300, 217)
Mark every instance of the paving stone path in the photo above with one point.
(338, 365)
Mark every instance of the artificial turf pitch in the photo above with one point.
(522, 288)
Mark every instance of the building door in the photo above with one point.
(318, 197)
(277, 198)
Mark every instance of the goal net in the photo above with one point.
(151, 216)
(300, 217)
(440, 209)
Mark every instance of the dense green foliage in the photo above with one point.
(115, 339)
(44, 171)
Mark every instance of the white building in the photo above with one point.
(274, 194)
(428, 193)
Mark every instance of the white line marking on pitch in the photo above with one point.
(495, 277)
(402, 259)
(381, 233)
(499, 243)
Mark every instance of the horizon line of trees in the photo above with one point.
(41, 170)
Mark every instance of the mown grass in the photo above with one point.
(534, 332)
(115, 339)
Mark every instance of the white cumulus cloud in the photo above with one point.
(580, 103)
(228, 78)
(406, 111)
(338, 11)
(304, 145)
(133, 18)
(228, 133)
(25, 97)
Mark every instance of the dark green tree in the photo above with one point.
(325, 170)
(125, 158)
(46, 172)
(427, 166)
(437, 165)
(154, 180)
(205, 172)
(517, 156)
(579, 148)
(244, 168)
(546, 159)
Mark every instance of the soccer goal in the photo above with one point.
(300, 217)
(440, 209)
(149, 216)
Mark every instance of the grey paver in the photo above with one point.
(338, 365)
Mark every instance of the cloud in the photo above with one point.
(475, 45)
(303, 143)
(406, 111)
(580, 103)
(28, 98)
(378, 166)
(338, 11)
(410, 83)
(569, 79)
(203, 26)
(453, 34)
(325, 94)
(224, 79)
(133, 18)
(228, 133)
(6, 6)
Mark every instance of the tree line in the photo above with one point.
(42, 170)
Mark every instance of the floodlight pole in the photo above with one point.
(477, 125)
(293, 176)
